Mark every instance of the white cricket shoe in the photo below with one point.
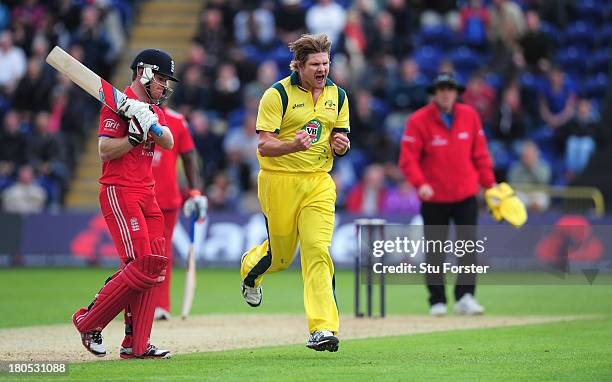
(93, 343)
(438, 310)
(468, 305)
(252, 296)
(152, 352)
(161, 314)
(323, 340)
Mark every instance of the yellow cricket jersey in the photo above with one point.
(286, 107)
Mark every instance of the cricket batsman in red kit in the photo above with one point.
(131, 212)
(169, 196)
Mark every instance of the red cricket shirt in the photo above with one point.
(164, 162)
(134, 168)
(452, 161)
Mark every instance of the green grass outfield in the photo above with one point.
(572, 351)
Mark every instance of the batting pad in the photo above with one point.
(138, 276)
(143, 307)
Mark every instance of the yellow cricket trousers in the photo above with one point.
(298, 207)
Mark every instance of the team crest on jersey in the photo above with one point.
(330, 105)
(313, 128)
(134, 224)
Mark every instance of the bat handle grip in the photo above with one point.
(156, 130)
(192, 222)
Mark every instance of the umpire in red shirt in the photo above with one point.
(444, 155)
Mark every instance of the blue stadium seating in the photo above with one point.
(428, 58)
(572, 59)
(595, 86)
(580, 33)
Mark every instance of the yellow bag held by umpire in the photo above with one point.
(505, 205)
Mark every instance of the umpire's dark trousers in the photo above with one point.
(436, 219)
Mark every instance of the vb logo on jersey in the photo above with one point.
(313, 128)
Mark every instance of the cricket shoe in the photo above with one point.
(322, 340)
(91, 340)
(468, 305)
(438, 310)
(161, 314)
(152, 352)
(252, 296)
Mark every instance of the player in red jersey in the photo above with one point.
(169, 197)
(133, 217)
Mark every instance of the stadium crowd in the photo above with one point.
(535, 70)
(45, 118)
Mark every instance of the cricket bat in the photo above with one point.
(190, 275)
(89, 81)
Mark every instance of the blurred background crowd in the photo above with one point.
(535, 70)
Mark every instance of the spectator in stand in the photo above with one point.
(475, 21)
(12, 145)
(25, 196)
(328, 17)
(440, 12)
(290, 19)
(404, 20)
(531, 170)
(267, 74)
(537, 47)
(580, 132)
(244, 141)
(93, 39)
(31, 13)
(403, 200)
(45, 154)
(222, 194)
(367, 123)
(507, 23)
(209, 145)
(408, 92)
(557, 103)
(212, 35)
(384, 41)
(254, 26)
(481, 96)
(191, 94)
(369, 196)
(508, 129)
(506, 28)
(197, 56)
(226, 95)
(12, 61)
(33, 91)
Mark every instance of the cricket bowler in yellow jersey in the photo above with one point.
(303, 122)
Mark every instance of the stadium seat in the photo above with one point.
(428, 58)
(572, 59)
(580, 34)
(466, 60)
(598, 61)
(495, 80)
(439, 36)
(595, 86)
(604, 36)
(552, 31)
(589, 11)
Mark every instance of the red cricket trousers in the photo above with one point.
(163, 290)
(133, 217)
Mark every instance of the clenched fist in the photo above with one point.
(340, 143)
(302, 141)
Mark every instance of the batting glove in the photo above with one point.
(196, 203)
(129, 107)
(139, 126)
